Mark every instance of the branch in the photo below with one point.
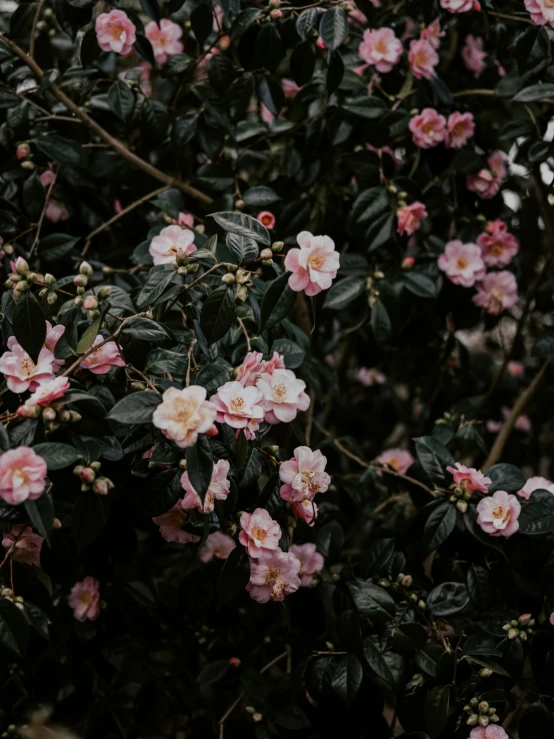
(43, 213)
(34, 28)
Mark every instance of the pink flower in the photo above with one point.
(433, 33)
(516, 369)
(115, 32)
(462, 263)
(498, 514)
(259, 532)
(170, 243)
(398, 459)
(56, 211)
(250, 371)
(428, 128)
(492, 731)
(381, 48)
(460, 6)
(541, 11)
(53, 335)
(273, 575)
(284, 395)
(22, 475)
(21, 372)
(238, 405)
(217, 545)
(24, 545)
(486, 183)
(423, 59)
(551, 619)
(170, 525)
(410, 217)
(369, 377)
(185, 220)
(183, 414)
(304, 475)
(101, 360)
(497, 292)
(47, 177)
(306, 510)
(85, 598)
(164, 39)
(218, 490)
(470, 479)
(290, 88)
(310, 561)
(266, 218)
(535, 483)
(314, 266)
(498, 246)
(474, 55)
(460, 128)
(48, 391)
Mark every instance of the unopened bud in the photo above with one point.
(95, 466)
(407, 581)
(80, 280)
(234, 662)
(242, 293)
(277, 246)
(267, 262)
(494, 719)
(483, 720)
(250, 709)
(22, 286)
(78, 469)
(80, 291)
(408, 262)
(384, 583)
(85, 269)
(29, 411)
(100, 487)
(523, 635)
(21, 266)
(524, 619)
(9, 284)
(28, 164)
(513, 633)
(461, 505)
(104, 292)
(472, 720)
(22, 151)
(483, 707)
(51, 298)
(136, 385)
(422, 605)
(90, 302)
(48, 414)
(87, 475)
(32, 277)
(257, 717)
(63, 416)
(193, 268)
(239, 204)
(78, 301)
(242, 276)
(74, 417)
(228, 278)
(485, 672)
(266, 254)
(56, 523)
(491, 712)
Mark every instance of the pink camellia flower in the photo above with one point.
(470, 479)
(460, 6)
(85, 599)
(306, 510)
(24, 545)
(492, 731)
(164, 39)
(266, 218)
(218, 490)
(115, 32)
(474, 55)
(486, 183)
(273, 575)
(433, 33)
(53, 335)
(460, 128)
(170, 243)
(183, 414)
(21, 372)
(290, 88)
(310, 561)
(381, 48)
(410, 217)
(497, 292)
(398, 459)
(304, 475)
(101, 360)
(237, 405)
(551, 619)
(170, 525)
(47, 177)
(314, 266)
(498, 245)
(56, 211)
(369, 377)
(535, 483)
(541, 11)
(423, 59)
(428, 128)
(462, 263)
(259, 532)
(217, 545)
(48, 391)
(277, 361)
(22, 475)
(498, 514)
(284, 395)
(250, 371)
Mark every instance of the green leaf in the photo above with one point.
(380, 321)
(33, 196)
(144, 329)
(88, 518)
(152, 9)
(307, 21)
(276, 302)
(343, 292)
(243, 248)
(136, 408)
(537, 517)
(333, 28)
(505, 477)
(57, 455)
(293, 354)
(200, 465)
(389, 666)
(14, 629)
(201, 19)
(434, 457)
(156, 284)
(371, 108)
(234, 576)
(269, 47)
(240, 223)
(437, 703)
(218, 314)
(29, 324)
(535, 92)
(536, 722)
(479, 587)
(121, 100)
(302, 62)
(347, 678)
(372, 600)
(212, 672)
(439, 526)
(154, 121)
(87, 339)
(41, 514)
(260, 197)
(62, 150)
(447, 599)
(420, 285)
(221, 73)
(369, 204)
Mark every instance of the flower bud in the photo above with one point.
(8, 249)
(417, 680)
(100, 487)
(80, 291)
(80, 280)
(51, 298)
(239, 204)
(266, 254)
(242, 276)
(78, 301)
(524, 619)
(90, 302)
(193, 268)
(250, 709)
(407, 581)
(472, 720)
(234, 662)
(87, 475)
(228, 278)
(21, 286)
(9, 284)
(242, 293)
(267, 262)
(384, 583)
(485, 672)
(85, 269)
(56, 523)
(494, 719)
(422, 605)
(491, 711)
(257, 717)
(104, 292)
(22, 151)
(483, 720)
(136, 385)
(461, 505)
(483, 707)
(78, 469)
(513, 633)
(408, 262)
(523, 635)
(95, 466)
(28, 164)
(277, 246)
(21, 266)
(63, 416)
(29, 411)
(74, 417)
(48, 414)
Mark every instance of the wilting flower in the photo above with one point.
(497, 292)
(115, 32)
(535, 483)
(273, 575)
(462, 263)
(381, 48)
(239, 406)
(423, 59)
(460, 128)
(410, 217)
(259, 532)
(48, 391)
(314, 266)
(217, 545)
(428, 128)
(433, 33)
(398, 459)
(306, 510)
(499, 513)
(541, 11)
(304, 475)
(369, 377)
(21, 372)
(218, 490)
(170, 243)
(101, 360)
(24, 545)
(498, 245)
(310, 561)
(486, 183)
(266, 218)
(22, 474)
(474, 55)
(170, 525)
(284, 395)
(470, 479)
(183, 414)
(492, 731)
(460, 6)
(85, 599)
(164, 39)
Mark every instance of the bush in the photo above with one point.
(276, 430)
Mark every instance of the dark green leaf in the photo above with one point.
(240, 223)
(213, 672)
(343, 292)
(41, 514)
(434, 457)
(218, 314)
(372, 600)
(347, 678)
(535, 92)
(33, 196)
(14, 629)
(234, 576)
(29, 324)
(136, 408)
(276, 303)
(62, 150)
(121, 99)
(87, 339)
(505, 477)
(333, 28)
(439, 526)
(260, 197)
(88, 519)
(447, 599)
(145, 329)
(200, 466)
(152, 9)
(244, 249)
(437, 703)
(57, 455)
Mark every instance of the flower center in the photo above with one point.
(28, 366)
(307, 476)
(280, 392)
(116, 31)
(272, 573)
(85, 598)
(461, 263)
(496, 248)
(18, 478)
(237, 404)
(316, 260)
(381, 46)
(498, 512)
(421, 58)
(178, 518)
(549, 3)
(259, 534)
(458, 129)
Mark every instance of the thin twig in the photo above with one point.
(144, 378)
(245, 332)
(43, 213)
(34, 28)
(189, 363)
(465, 93)
(517, 18)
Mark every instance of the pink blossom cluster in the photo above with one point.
(535, 483)
(185, 413)
(303, 477)
(410, 218)
(460, 6)
(486, 183)
(314, 266)
(474, 55)
(21, 372)
(498, 245)
(173, 242)
(381, 48)
(469, 479)
(164, 39)
(429, 129)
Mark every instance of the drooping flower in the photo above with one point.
(304, 475)
(21, 372)
(314, 266)
(170, 525)
(499, 513)
(486, 183)
(474, 55)
(24, 544)
(310, 561)
(462, 263)
(237, 406)
(535, 483)
(460, 128)
(170, 243)
(381, 48)
(22, 475)
(266, 218)
(48, 391)
(284, 395)
(423, 59)
(492, 731)
(433, 33)
(410, 217)
(398, 459)
(460, 6)
(497, 292)
(217, 545)
(164, 39)
(259, 532)
(370, 377)
(541, 11)
(428, 128)
(101, 360)
(218, 490)
(273, 576)
(85, 599)
(498, 245)
(183, 414)
(115, 32)
(470, 479)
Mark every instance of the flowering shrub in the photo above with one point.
(275, 428)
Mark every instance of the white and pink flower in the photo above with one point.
(428, 128)
(22, 475)
(474, 55)
(170, 243)
(370, 377)
(304, 475)
(273, 576)
(460, 6)
(310, 561)
(397, 459)
(314, 266)
(541, 11)
(21, 372)
(535, 483)
(218, 545)
(462, 263)
(496, 292)
(115, 32)
(284, 395)
(239, 407)
(170, 525)
(433, 33)
(183, 414)
(164, 39)
(423, 59)
(24, 545)
(460, 128)
(410, 217)
(85, 599)
(492, 731)
(101, 360)
(499, 513)
(470, 479)
(259, 532)
(49, 391)
(486, 183)
(498, 245)
(218, 489)
(381, 48)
